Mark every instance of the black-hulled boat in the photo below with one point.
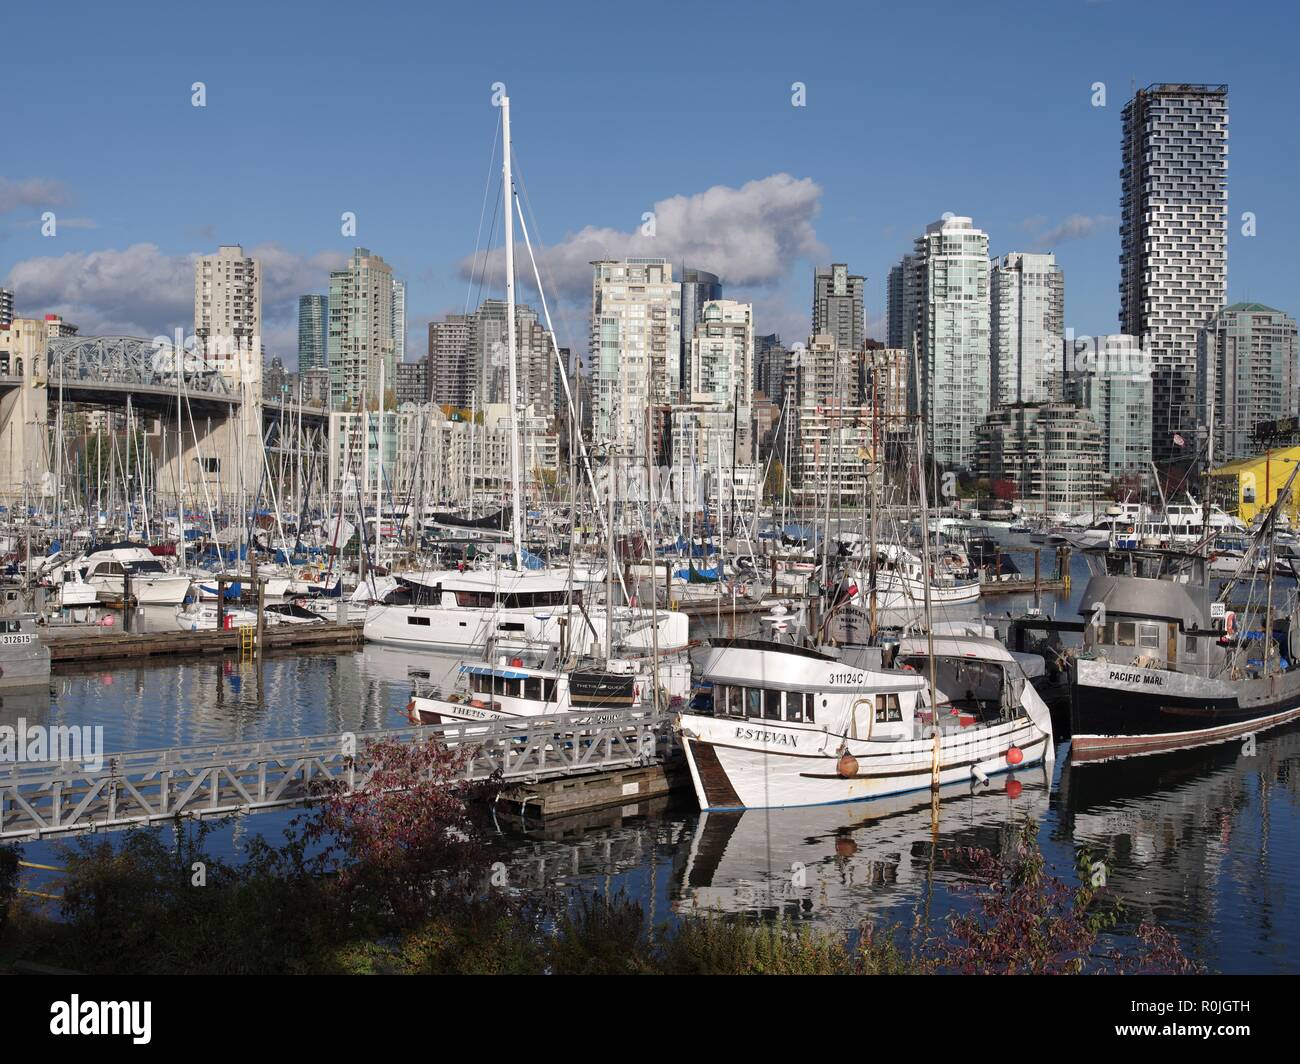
(1166, 664)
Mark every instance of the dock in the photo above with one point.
(98, 645)
(567, 759)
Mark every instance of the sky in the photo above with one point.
(685, 110)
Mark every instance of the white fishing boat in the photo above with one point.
(793, 726)
(201, 617)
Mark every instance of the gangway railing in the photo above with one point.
(132, 788)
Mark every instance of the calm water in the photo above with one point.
(1207, 842)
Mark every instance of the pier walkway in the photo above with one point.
(40, 800)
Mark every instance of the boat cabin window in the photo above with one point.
(772, 703)
(10, 625)
(1125, 634)
(888, 709)
(1150, 637)
(424, 621)
(795, 706)
(511, 627)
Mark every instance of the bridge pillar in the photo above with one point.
(24, 413)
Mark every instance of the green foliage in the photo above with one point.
(9, 858)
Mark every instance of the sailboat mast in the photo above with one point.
(516, 515)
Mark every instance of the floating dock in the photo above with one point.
(97, 645)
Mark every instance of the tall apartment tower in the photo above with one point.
(313, 332)
(635, 346)
(361, 330)
(1173, 241)
(1026, 323)
(837, 306)
(901, 311)
(698, 288)
(228, 306)
(1246, 372)
(449, 375)
(952, 295)
(399, 321)
(489, 366)
(6, 307)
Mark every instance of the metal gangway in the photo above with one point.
(44, 799)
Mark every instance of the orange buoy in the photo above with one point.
(1015, 755)
(1014, 787)
(847, 766)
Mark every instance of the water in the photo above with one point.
(1207, 842)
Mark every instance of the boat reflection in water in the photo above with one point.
(845, 864)
(1205, 841)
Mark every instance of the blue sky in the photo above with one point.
(385, 109)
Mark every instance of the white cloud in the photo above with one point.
(1074, 227)
(141, 291)
(37, 193)
(748, 236)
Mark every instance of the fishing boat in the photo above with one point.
(793, 726)
(1166, 665)
(24, 659)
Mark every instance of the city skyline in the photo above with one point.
(772, 202)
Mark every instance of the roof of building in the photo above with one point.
(1284, 455)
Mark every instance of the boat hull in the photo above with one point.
(733, 765)
(1126, 711)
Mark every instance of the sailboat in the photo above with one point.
(518, 606)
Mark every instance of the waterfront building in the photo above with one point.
(449, 376)
(635, 347)
(1050, 452)
(360, 330)
(399, 321)
(698, 287)
(313, 332)
(838, 308)
(1174, 241)
(1249, 486)
(952, 297)
(488, 348)
(228, 309)
(6, 307)
(901, 311)
(1026, 325)
(412, 382)
(1246, 372)
(1110, 377)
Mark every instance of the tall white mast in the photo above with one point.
(516, 515)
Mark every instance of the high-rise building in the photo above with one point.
(412, 382)
(1246, 372)
(228, 307)
(952, 296)
(635, 347)
(489, 362)
(399, 321)
(722, 366)
(449, 375)
(360, 330)
(698, 288)
(902, 324)
(56, 327)
(1173, 240)
(313, 332)
(1026, 326)
(6, 307)
(838, 307)
(1110, 378)
(770, 363)
(823, 372)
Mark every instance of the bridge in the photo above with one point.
(45, 799)
(218, 405)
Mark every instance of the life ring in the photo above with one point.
(1229, 622)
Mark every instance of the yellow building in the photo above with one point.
(1249, 485)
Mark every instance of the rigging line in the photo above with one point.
(563, 314)
(487, 188)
